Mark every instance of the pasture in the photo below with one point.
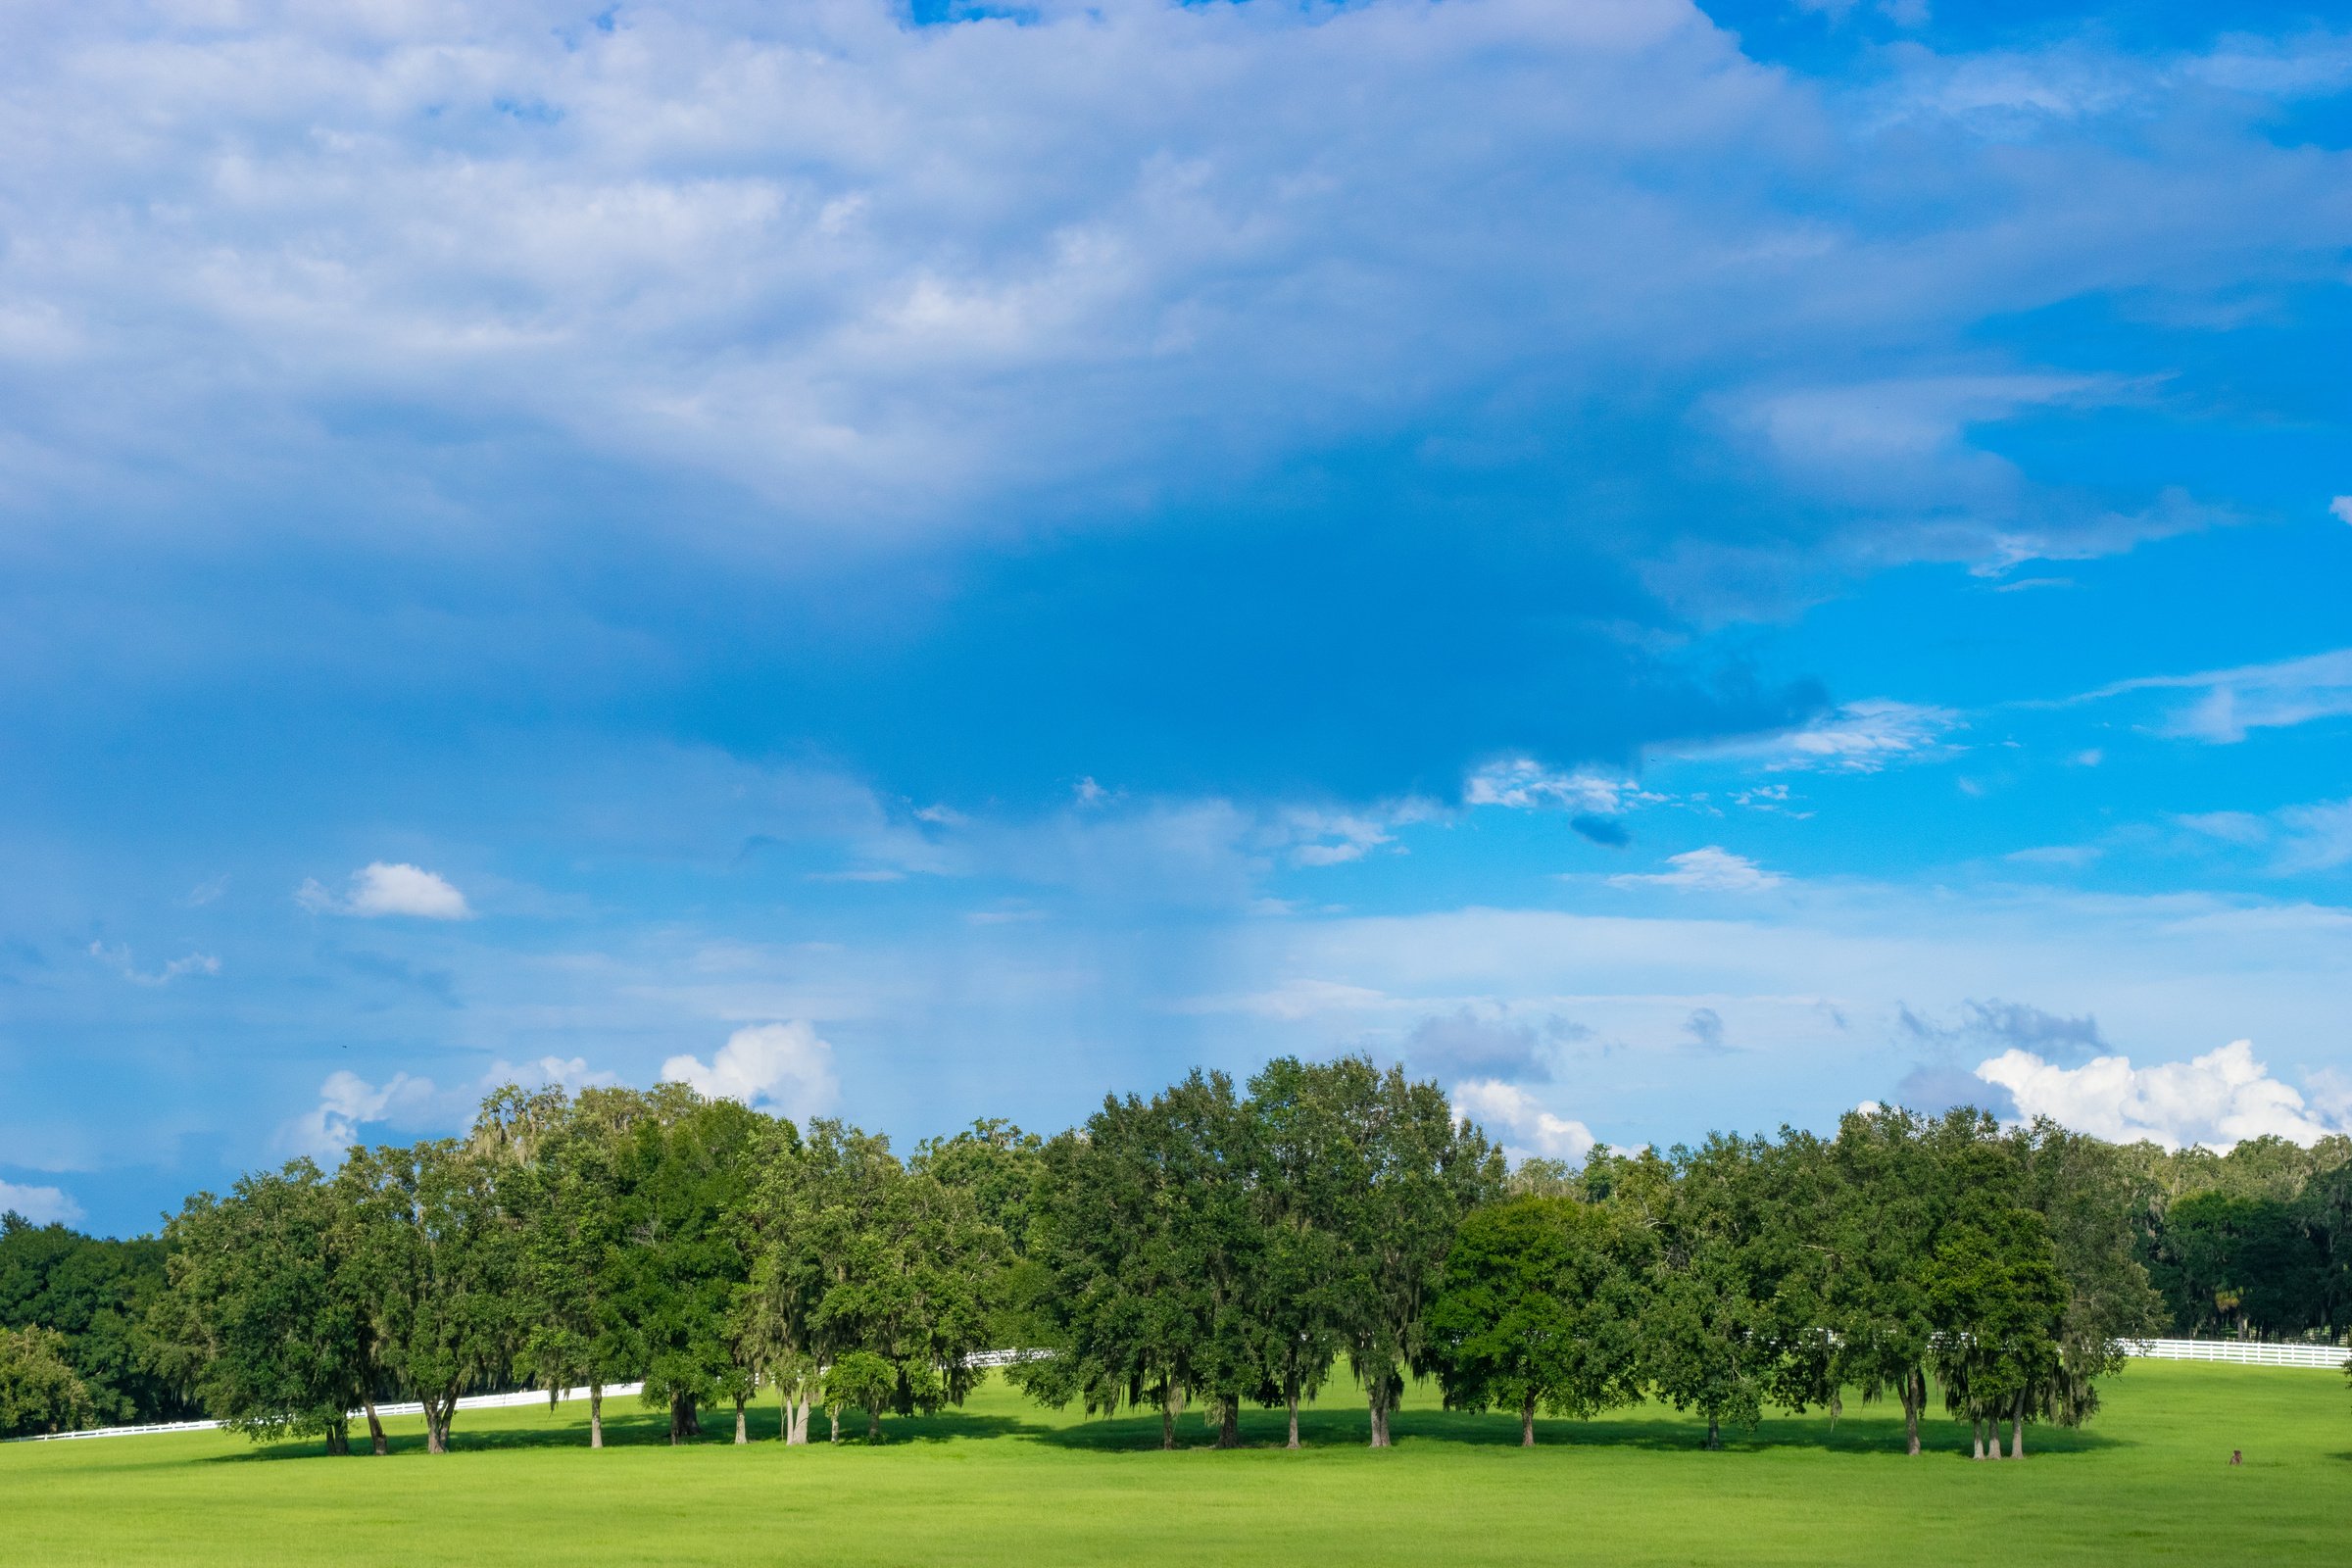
(1005, 1481)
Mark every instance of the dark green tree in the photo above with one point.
(95, 1293)
(687, 1166)
(261, 1323)
(1151, 1235)
(575, 1231)
(1405, 1172)
(438, 1257)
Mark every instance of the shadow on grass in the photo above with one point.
(629, 1425)
(1658, 1433)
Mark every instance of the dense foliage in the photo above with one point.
(1208, 1249)
(92, 1292)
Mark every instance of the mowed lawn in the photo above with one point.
(1004, 1482)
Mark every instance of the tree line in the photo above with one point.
(1211, 1248)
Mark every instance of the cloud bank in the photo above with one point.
(2216, 1099)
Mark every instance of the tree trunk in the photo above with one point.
(1527, 1422)
(796, 1419)
(2017, 1430)
(1915, 1394)
(1714, 1435)
(1976, 1430)
(1167, 1417)
(375, 1427)
(1291, 1396)
(436, 1423)
(338, 1438)
(743, 1433)
(685, 1422)
(1380, 1426)
(1229, 1425)
(873, 1426)
(596, 1415)
(832, 1423)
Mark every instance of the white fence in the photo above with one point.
(472, 1402)
(2244, 1353)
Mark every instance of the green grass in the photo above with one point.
(1005, 1481)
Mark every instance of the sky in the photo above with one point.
(1670, 566)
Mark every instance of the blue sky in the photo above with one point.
(1670, 566)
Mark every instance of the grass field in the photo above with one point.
(1002, 1482)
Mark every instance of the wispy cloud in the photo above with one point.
(2315, 836)
(1526, 784)
(1712, 869)
(118, 958)
(2251, 696)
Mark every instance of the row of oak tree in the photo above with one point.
(1208, 1248)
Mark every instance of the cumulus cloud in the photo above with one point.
(2341, 509)
(784, 1067)
(348, 1103)
(2216, 1099)
(1525, 1126)
(348, 1106)
(1714, 869)
(118, 960)
(380, 888)
(42, 1205)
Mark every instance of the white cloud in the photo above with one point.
(349, 1103)
(381, 888)
(777, 1066)
(2341, 509)
(40, 1205)
(1864, 737)
(1714, 869)
(2312, 837)
(1525, 784)
(1334, 838)
(1525, 1125)
(2216, 1099)
(118, 960)
(2252, 697)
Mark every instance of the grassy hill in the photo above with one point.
(1002, 1482)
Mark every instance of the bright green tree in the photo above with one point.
(1539, 1307)
(40, 1391)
